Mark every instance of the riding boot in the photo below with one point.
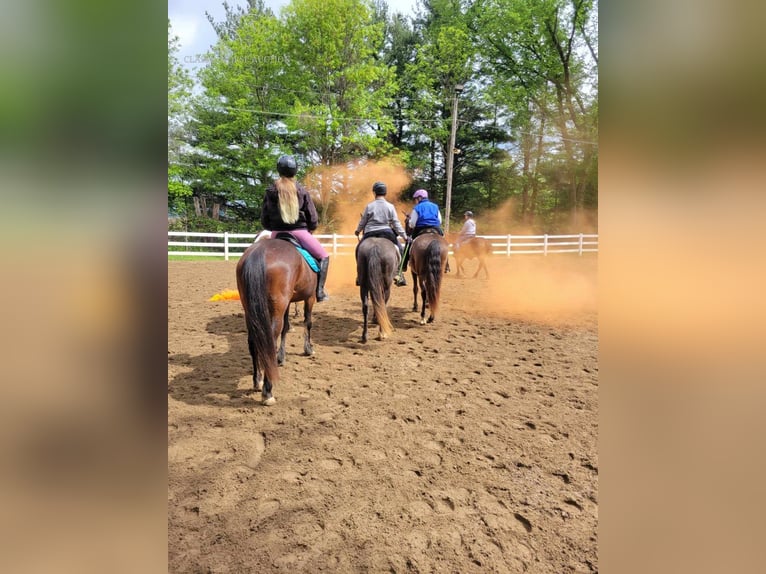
(323, 265)
(400, 281)
(406, 258)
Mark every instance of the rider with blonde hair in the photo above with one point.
(287, 206)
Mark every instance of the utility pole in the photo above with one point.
(450, 156)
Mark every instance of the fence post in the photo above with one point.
(226, 245)
(545, 244)
(581, 244)
(508, 246)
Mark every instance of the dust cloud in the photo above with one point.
(556, 290)
(342, 191)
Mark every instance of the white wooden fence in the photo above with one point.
(234, 244)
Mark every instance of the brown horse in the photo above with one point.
(428, 260)
(270, 275)
(474, 248)
(376, 264)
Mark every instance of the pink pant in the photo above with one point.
(309, 242)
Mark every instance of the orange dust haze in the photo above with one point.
(342, 191)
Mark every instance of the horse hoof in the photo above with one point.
(271, 401)
(422, 321)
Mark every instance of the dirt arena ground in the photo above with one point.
(467, 445)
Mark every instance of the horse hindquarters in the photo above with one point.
(251, 281)
(376, 278)
(435, 257)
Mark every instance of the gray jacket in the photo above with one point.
(379, 215)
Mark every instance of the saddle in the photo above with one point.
(426, 230)
(290, 238)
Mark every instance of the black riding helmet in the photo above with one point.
(286, 166)
(379, 188)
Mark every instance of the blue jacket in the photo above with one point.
(428, 214)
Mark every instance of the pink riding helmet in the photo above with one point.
(420, 193)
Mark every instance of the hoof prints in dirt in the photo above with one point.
(429, 451)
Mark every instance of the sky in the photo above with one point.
(196, 35)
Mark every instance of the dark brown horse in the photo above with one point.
(270, 275)
(376, 264)
(428, 260)
(474, 248)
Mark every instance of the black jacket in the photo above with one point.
(271, 218)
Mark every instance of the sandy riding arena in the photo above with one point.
(466, 445)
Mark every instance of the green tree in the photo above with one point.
(234, 136)
(340, 89)
(307, 82)
(443, 61)
(540, 50)
(179, 91)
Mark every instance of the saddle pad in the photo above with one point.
(309, 259)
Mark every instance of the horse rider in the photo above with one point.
(468, 231)
(287, 206)
(379, 219)
(423, 217)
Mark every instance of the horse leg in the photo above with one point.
(257, 374)
(365, 310)
(386, 297)
(423, 307)
(282, 336)
(414, 291)
(266, 397)
(308, 348)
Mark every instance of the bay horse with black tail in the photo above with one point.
(270, 275)
(428, 262)
(377, 262)
(473, 248)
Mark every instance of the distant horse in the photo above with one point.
(474, 248)
(270, 275)
(428, 260)
(376, 264)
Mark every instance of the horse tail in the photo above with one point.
(258, 315)
(433, 280)
(377, 282)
